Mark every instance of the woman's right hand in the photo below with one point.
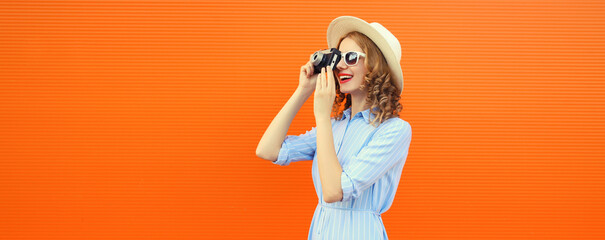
(307, 79)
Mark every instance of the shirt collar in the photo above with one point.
(365, 113)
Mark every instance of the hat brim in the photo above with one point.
(346, 24)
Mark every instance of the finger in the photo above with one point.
(330, 79)
(307, 71)
(318, 83)
(327, 78)
(323, 78)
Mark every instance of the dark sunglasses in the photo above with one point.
(351, 58)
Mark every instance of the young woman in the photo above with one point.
(358, 155)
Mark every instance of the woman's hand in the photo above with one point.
(307, 80)
(325, 93)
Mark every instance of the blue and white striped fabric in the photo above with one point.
(372, 160)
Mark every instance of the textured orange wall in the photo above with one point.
(139, 119)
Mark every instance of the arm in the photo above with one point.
(329, 168)
(270, 143)
(388, 148)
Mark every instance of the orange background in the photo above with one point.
(140, 119)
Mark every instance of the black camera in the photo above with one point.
(323, 58)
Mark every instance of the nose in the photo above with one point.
(341, 64)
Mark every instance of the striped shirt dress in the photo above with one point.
(372, 160)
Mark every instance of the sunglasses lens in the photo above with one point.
(351, 58)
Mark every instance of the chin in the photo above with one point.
(343, 90)
(347, 89)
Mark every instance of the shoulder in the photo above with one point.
(395, 124)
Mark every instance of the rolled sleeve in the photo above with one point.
(388, 147)
(297, 148)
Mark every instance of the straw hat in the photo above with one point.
(383, 38)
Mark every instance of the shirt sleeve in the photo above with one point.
(388, 147)
(297, 148)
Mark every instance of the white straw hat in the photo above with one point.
(383, 38)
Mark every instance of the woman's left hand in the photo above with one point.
(325, 93)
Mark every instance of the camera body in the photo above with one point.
(323, 58)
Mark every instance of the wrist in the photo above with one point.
(304, 92)
(323, 119)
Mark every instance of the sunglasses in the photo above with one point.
(351, 58)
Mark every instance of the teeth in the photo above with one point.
(345, 77)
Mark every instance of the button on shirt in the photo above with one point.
(372, 160)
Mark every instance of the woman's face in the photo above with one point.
(358, 71)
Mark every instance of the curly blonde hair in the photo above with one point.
(382, 93)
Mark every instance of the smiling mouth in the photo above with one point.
(345, 78)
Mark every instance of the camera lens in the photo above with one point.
(316, 57)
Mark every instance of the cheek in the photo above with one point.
(360, 78)
(360, 74)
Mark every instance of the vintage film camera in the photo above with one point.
(322, 58)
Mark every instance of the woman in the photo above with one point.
(358, 155)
